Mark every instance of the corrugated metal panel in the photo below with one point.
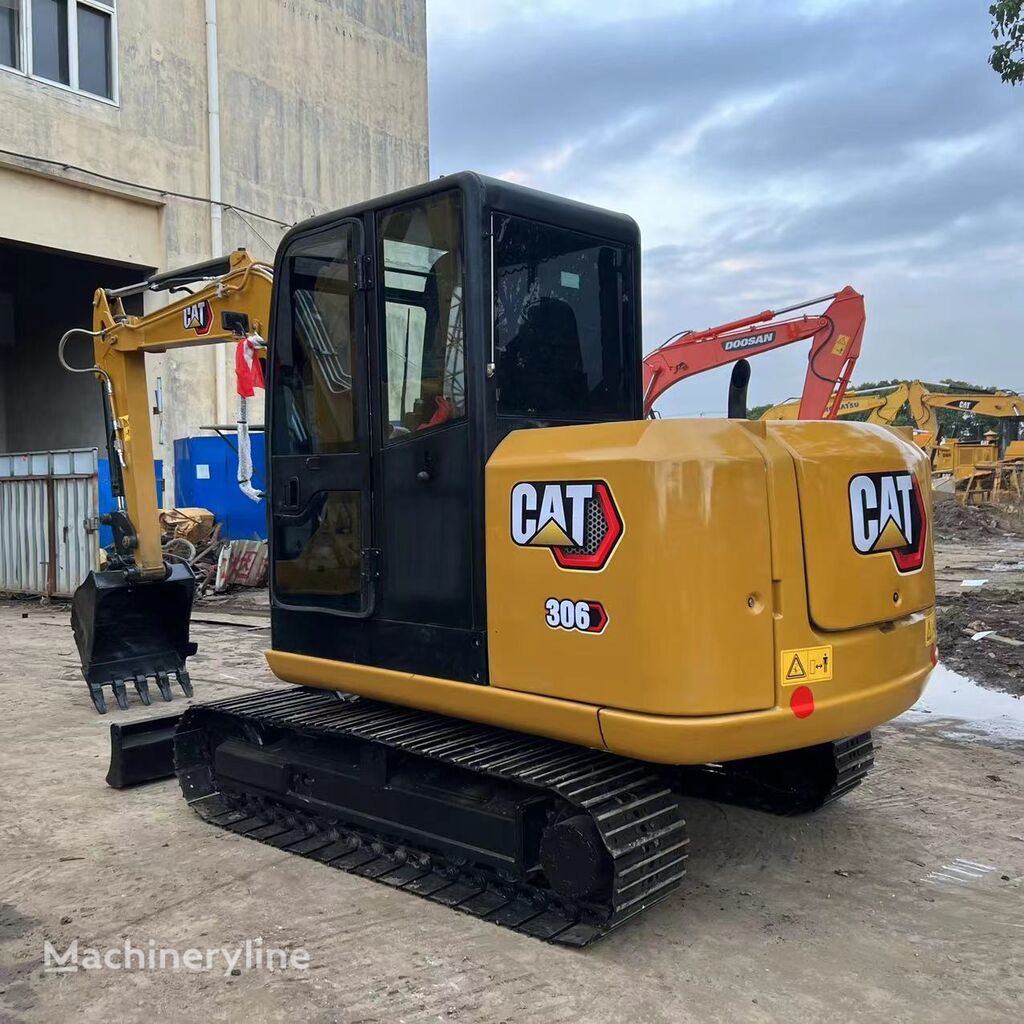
(75, 501)
(24, 541)
(47, 498)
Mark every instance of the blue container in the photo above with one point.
(206, 476)
(108, 503)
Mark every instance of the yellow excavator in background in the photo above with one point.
(883, 406)
(924, 406)
(988, 470)
(522, 620)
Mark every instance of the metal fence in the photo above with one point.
(48, 521)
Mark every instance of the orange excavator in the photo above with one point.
(835, 337)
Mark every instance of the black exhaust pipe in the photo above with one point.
(738, 390)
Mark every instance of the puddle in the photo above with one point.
(950, 695)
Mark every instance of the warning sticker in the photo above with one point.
(840, 346)
(806, 665)
(929, 629)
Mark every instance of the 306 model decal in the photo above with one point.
(581, 616)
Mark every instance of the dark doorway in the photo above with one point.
(43, 293)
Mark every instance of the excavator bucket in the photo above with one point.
(129, 632)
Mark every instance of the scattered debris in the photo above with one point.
(991, 634)
(242, 563)
(195, 525)
(954, 521)
(980, 623)
(192, 536)
(981, 635)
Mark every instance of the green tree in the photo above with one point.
(1007, 58)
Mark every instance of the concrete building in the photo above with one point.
(114, 111)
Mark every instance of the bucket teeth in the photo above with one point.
(96, 692)
(163, 681)
(142, 687)
(120, 693)
(185, 682)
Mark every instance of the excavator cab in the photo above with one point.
(409, 336)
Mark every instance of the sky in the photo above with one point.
(771, 151)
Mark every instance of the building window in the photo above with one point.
(10, 33)
(72, 43)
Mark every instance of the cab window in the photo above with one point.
(562, 331)
(424, 352)
(315, 405)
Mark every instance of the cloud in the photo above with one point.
(770, 152)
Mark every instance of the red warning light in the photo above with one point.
(801, 703)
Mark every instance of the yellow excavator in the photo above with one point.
(924, 406)
(882, 406)
(131, 620)
(520, 619)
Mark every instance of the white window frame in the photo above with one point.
(107, 7)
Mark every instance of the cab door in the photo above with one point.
(428, 504)
(322, 557)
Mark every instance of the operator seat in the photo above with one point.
(543, 363)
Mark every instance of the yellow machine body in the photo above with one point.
(739, 612)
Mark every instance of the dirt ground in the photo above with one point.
(980, 544)
(903, 902)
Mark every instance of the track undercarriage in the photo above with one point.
(549, 839)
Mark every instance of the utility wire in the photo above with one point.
(65, 166)
(251, 227)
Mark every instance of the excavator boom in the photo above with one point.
(924, 403)
(131, 621)
(882, 407)
(835, 337)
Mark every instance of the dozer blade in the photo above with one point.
(128, 632)
(141, 751)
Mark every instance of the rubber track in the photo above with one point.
(738, 783)
(636, 813)
(854, 758)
